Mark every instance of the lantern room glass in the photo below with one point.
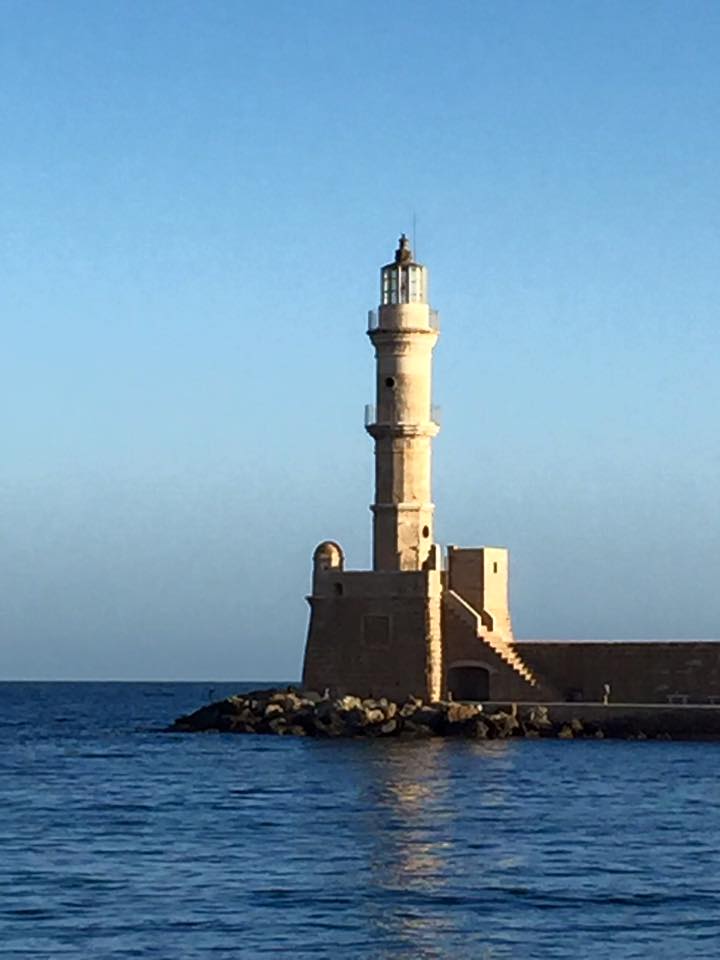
(403, 283)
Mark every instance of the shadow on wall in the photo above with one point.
(468, 681)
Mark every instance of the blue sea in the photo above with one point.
(117, 840)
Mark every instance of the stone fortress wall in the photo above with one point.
(641, 671)
(432, 633)
(373, 633)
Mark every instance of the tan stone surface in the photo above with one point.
(372, 638)
(638, 672)
(403, 429)
(480, 576)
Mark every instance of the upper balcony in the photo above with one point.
(371, 419)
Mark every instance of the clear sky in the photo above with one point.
(195, 199)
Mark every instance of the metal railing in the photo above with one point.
(374, 320)
(371, 415)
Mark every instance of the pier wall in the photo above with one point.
(637, 671)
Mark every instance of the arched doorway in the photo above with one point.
(468, 682)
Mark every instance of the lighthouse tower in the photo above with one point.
(411, 625)
(403, 332)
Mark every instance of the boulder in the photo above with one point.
(502, 724)
(430, 717)
(374, 715)
(277, 724)
(312, 696)
(303, 719)
(537, 717)
(239, 727)
(332, 726)
(292, 702)
(356, 719)
(410, 707)
(325, 710)
(348, 703)
(476, 728)
(460, 712)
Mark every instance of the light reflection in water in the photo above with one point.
(416, 859)
(116, 841)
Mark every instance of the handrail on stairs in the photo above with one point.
(501, 647)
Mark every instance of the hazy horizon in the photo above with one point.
(196, 203)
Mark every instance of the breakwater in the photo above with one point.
(295, 713)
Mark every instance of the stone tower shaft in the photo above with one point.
(403, 332)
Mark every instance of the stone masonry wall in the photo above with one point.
(370, 634)
(638, 672)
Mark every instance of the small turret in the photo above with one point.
(328, 556)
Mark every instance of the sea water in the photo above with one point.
(118, 840)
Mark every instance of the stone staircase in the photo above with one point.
(506, 651)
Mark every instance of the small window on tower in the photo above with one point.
(426, 532)
(390, 382)
(495, 568)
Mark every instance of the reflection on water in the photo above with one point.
(116, 841)
(416, 790)
(411, 799)
(407, 856)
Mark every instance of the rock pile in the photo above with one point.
(309, 715)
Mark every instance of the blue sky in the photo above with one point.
(194, 203)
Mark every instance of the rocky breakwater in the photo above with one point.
(300, 713)
(294, 713)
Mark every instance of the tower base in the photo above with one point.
(375, 634)
(424, 633)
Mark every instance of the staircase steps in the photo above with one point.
(462, 609)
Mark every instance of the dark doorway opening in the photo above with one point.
(469, 683)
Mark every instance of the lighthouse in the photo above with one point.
(419, 622)
(403, 332)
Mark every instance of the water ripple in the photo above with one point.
(117, 841)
